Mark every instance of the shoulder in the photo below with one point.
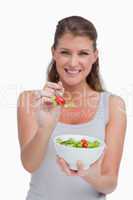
(117, 104)
(116, 110)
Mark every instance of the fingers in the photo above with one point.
(59, 93)
(42, 97)
(54, 86)
(60, 84)
(44, 93)
(80, 167)
(57, 87)
(65, 167)
(50, 89)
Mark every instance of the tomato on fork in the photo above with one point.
(60, 100)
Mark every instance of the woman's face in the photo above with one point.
(74, 56)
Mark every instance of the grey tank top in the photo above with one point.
(48, 182)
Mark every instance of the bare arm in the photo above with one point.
(33, 139)
(33, 153)
(37, 117)
(106, 180)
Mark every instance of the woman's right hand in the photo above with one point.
(46, 113)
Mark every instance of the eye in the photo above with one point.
(83, 53)
(64, 52)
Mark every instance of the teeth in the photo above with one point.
(73, 72)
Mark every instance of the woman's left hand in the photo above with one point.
(94, 169)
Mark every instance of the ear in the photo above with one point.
(95, 56)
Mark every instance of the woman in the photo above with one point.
(74, 75)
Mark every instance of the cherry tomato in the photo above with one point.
(83, 140)
(85, 145)
(60, 100)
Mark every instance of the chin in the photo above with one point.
(72, 82)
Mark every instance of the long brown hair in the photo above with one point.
(78, 26)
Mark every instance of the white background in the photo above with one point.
(26, 36)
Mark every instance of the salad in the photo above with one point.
(83, 143)
(59, 100)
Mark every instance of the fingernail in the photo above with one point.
(60, 82)
(79, 163)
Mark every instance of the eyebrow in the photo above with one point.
(79, 50)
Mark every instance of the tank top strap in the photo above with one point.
(105, 104)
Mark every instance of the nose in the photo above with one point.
(73, 61)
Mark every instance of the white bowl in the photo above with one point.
(72, 154)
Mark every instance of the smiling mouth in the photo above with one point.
(72, 72)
